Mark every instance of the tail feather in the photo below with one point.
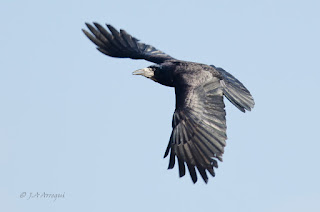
(235, 91)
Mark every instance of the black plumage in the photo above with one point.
(199, 127)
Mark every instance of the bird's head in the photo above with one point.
(148, 72)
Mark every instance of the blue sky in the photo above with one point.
(78, 123)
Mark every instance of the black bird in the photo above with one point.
(199, 121)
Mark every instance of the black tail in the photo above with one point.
(235, 91)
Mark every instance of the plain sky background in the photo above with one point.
(78, 123)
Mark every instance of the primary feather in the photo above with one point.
(122, 45)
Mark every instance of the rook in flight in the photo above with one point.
(199, 127)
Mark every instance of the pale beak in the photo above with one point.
(147, 72)
(139, 72)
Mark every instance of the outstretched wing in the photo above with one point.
(122, 45)
(199, 129)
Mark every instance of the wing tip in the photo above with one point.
(87, 24)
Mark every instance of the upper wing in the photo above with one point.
(122, 45)
(199, 128)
